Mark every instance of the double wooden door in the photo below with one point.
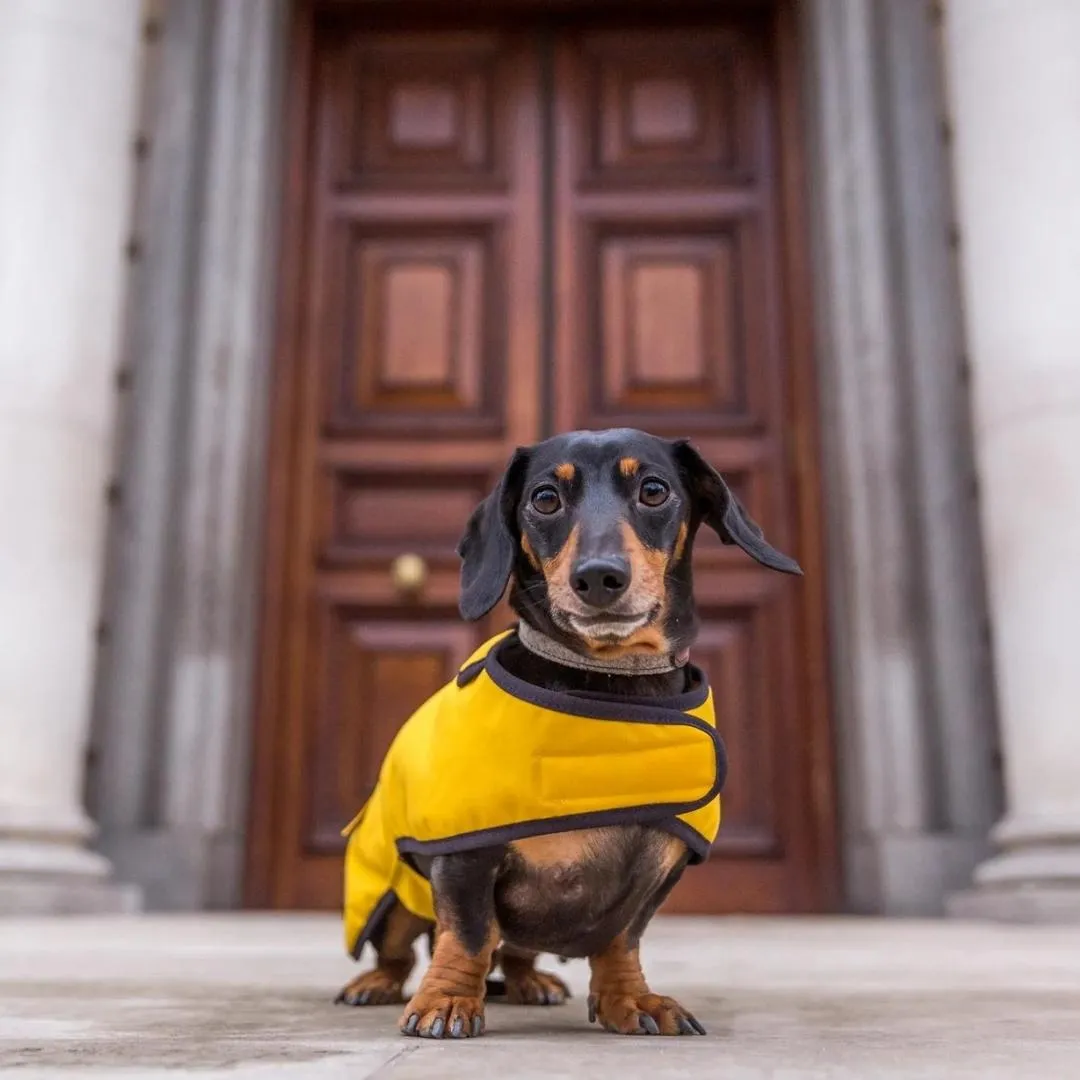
(492, 234)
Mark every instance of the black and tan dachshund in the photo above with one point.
(594, 533)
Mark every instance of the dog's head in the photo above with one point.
(597, 530)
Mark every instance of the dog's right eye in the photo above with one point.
(546, 500)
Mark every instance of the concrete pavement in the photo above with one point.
(249, 997)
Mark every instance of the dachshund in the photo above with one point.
(594, 533)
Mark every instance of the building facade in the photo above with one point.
(283, 285)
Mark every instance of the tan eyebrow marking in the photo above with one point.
(628, 466)
(565, 471)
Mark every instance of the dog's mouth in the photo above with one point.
(605, 626)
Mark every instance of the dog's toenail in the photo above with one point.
(648, 1024)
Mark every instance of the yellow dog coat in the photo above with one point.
(490, 758)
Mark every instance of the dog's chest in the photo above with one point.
(572, 893)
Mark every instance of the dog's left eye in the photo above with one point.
(653, 492)
(546, 500)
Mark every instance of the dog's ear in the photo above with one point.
(490, 542)
(722, 511)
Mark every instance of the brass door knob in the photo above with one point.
(408, 573)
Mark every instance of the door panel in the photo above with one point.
(661, 290)
(444, 186)
(668, 319)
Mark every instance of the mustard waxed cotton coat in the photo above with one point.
(490, 758)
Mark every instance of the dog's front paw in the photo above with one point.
(532, 987)
(648, 1014)
(443, 1016)
(376, 987)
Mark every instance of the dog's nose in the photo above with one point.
(600, 582)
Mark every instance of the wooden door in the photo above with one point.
(493, 235)
(406, 381)
(676, 314)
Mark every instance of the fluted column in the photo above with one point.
(69, 77)
(1013, 71)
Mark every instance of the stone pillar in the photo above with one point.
(911, 682)
(69, 77)
(1013, 71)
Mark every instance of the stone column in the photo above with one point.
(1013, 71)
(69, 77)
(912, 699)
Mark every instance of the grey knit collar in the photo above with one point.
(541, 645)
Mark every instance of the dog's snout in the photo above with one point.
(600, 582)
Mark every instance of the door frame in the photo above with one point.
(888, 331)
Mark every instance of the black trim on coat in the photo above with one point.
(374, 922)
(596, 705)
(659, 816)
(699, 847)
(470, 671)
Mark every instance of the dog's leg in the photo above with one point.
(395, 959)
(524, 984)
(620, 998)
(450, 1001)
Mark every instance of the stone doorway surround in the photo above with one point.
(911, 675)
(168, 772)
